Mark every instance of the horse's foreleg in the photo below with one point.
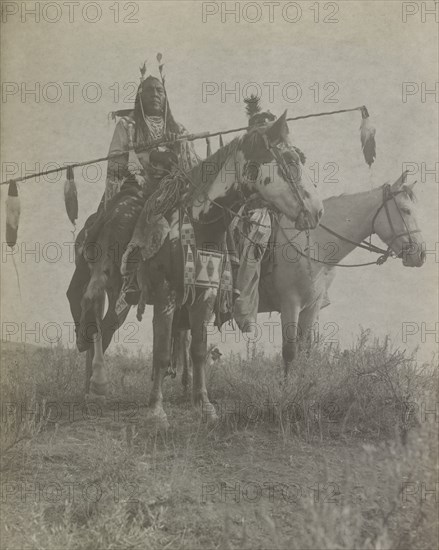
(186, 377)
(88, 369)
(92, 306)
(164, 309)
(98, 380)
(290, 333)
(200, 315)
(181, 357)
(307, 318)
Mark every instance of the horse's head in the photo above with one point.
(395, 223)
(271, 167)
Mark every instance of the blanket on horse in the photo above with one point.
(103, 239)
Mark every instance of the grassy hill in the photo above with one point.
(342, 455)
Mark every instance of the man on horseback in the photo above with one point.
(252, 237)
(149, 122)
(134, 171)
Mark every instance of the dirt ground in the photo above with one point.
(107, 478)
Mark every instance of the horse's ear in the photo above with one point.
(410, 192)
(278, 131)
(400, 181)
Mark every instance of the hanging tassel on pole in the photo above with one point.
(13, 210)
(221, 142)
(208, 148)
(367, 135)
(71, 196)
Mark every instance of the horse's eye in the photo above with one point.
(251, 171)
(406, 211)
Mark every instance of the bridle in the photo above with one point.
(286, 175)
(388, 195)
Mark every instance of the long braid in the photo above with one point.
(142, 134)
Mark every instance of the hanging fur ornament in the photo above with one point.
(221, 142)
(12, 214)
(71, 196)
(367, 135)
(208, 148)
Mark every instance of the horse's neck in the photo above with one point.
(217, 194)
(222, 189)
(350, 216)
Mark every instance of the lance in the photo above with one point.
(367, 142)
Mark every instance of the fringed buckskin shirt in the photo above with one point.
(127, 163)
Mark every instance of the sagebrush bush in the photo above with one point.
(370, 389)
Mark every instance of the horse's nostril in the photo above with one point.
(320, 213)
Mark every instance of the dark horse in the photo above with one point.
(261, 163)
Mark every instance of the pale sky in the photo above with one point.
(364, 58)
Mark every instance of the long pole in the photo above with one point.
(186, 137)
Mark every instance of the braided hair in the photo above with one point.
(142, 135)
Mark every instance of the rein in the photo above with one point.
(385, 254)
(364, 244)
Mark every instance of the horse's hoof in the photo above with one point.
(211, 420)
(97, 393)
(98, 388)
(158, 417)
(208, 413)
(93, 397)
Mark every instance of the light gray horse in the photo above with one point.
(297, 285)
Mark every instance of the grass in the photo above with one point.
(346, 437)
(369, 390)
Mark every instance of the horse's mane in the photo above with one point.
(203, 178)
(405, 189)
